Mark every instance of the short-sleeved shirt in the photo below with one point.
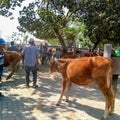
(30, 53)
(57, 54)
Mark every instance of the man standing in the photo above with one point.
(12, 47)
(2, 45)
(30, 54)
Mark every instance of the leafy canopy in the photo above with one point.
(49, 19)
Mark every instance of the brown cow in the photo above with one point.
(91, 54)
(12, 59)
(86, 71)
(82, 54)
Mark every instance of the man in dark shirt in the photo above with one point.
(12, 47)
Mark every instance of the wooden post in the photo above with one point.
(107, 53)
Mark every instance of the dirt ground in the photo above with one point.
(21, 103)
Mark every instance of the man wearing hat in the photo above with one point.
(30, 54)
(2, 45)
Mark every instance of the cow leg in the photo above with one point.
(11, 73)
(68, 90)
(112, 98)
(109, 98)
(106, 113)
(114, 82)
(62, 91)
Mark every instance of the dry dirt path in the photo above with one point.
(20, 103)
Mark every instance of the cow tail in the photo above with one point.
(109, 76)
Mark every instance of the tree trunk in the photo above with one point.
(60, 38)
(96, 44)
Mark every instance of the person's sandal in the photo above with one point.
(34, 86)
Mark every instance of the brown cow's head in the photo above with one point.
(53, 65)
(59, 65)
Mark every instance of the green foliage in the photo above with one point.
(43, 21)
(19, 37)
(50, 19)
(102, 19)
(53, 42)
(6, 6)
(72, 33)
(39, 26)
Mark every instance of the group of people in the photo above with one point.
(47, 53)
(30, 53)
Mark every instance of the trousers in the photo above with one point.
(29, 69)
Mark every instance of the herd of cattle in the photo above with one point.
(78, 70)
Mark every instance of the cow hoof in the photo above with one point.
(67, 100)
(111, 112)
(104, 119)
(7, 78)
(57, 104)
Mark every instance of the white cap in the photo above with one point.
(31, 40)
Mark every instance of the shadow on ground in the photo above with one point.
(28, 103)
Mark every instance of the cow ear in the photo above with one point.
(52, 60)
(63, 64)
